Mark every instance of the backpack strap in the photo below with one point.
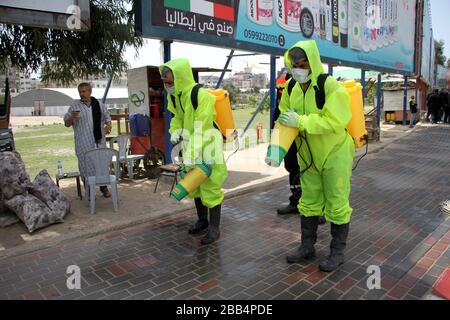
(172, 97)
(291, 85)
(194, 95)
(173, 101)
(320, 90)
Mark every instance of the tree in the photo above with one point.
(66, 55)
(251, 101)
(255, 100)
(439, 52)
(232, 92)
(448, 63)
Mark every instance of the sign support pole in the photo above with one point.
(405, 100)
(379, 101)
(167, 114)
(273, 97)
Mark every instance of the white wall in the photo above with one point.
(49, 111)
(22, 111)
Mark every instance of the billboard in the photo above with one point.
(373, 34)
(60, 14)
(427, 62)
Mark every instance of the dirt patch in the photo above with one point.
(35, 121)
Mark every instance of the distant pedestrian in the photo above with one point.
(413, 109)
(446, 105)
(428, 105)
(434, 106)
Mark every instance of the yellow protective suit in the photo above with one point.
(201, 142)
(323, 134)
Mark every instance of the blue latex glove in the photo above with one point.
(289, 119)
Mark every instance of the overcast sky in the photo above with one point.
(440, 15)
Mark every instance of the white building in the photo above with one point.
(56, 101)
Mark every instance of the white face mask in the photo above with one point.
(301, 75)
(170, 90)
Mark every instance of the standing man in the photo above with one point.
(446, 105)
(192, 126)
(327, 150)
(91, 120)
(413, 109)
(434, 105)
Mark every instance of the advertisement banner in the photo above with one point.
(427, 44)
(374, 34)
(216, 18)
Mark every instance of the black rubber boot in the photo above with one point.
(309, 237)
(202, 213)
(213, 230)
(337, 247)
(287, 210)
(293, 199)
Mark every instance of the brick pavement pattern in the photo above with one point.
(397, 225)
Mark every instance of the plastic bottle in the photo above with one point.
(59, 166)
(329, 21)
(335, 20)
(343, 22)
(356, 24)
(323, 31)
(288, 14)
(260, 11)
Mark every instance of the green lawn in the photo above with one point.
(42, 146)
(242, 116)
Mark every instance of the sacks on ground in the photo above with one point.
(34, 213)
(14, 178)
(7, 217)
(37, 212)
(51, 194)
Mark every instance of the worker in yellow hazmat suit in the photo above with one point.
(201, 142)
(326, 149)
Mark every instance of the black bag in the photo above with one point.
(153, 158)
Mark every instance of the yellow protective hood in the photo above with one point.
(182, 74)
(312, 52)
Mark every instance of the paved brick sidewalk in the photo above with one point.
(396, 225)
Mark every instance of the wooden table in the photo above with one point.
(69, 175)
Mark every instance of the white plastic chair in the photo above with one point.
(97, 164)
(124, 157)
